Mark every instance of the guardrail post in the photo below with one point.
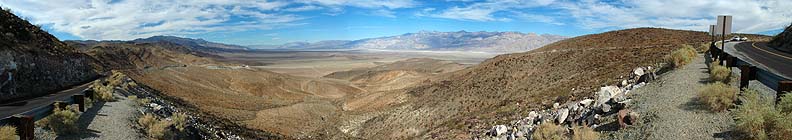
(89, 93)
(747, 73)
(783, 87)
(25, 126)
(722, 58)
(80, 101)
(730, 61)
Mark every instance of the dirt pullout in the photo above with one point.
(670, 109)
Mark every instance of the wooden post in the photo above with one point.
(80, 101)
(729, 61)
(783, 87)
(25, 126)
(89, 93)
(747, 73)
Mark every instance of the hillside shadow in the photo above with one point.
(85, 120)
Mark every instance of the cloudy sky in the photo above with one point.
(251, 22)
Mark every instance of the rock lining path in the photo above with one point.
(669, 108)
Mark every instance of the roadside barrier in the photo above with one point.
(749, 72)
(24, 122)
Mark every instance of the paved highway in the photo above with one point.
(19, 107)
(759, 54)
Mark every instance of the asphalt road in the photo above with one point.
(776, 61)
(19, 107)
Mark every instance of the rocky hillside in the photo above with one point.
(440, 41)
(34, 63)
(507, 86)
(783, 41)
(122, 55)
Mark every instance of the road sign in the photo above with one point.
(712, 30)
(724, 25)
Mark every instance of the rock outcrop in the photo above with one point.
(589, 112)
(34, 63)
(783, 41)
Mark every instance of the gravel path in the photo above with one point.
(670, 110)
(104, 121)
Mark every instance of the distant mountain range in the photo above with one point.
(435, 41)
(501, 42)
(195, 44)
(192, 43)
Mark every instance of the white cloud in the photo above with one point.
(485, 11)
(749, 16)
(384, 13)
(303, 8)
(476, 14)
(130, 19)
(391, 4)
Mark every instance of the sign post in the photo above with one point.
(723, 28)
(712, 33)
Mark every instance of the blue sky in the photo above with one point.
(262, 22)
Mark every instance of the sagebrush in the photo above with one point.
(718, 96)
(62, 120)
(549, 131)
(719, 73)
(584, 133)
(154, 127)
(179, 121)
(682, 56)
(8, 133)
(757, 119)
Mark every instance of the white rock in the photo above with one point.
(624, 83)
(638, 85)
(155, 106)
(638, 71)
(605, 108)
(606, 93)
(573, 107)
(499, 130)
(562, 115)
(586, 102)
(556, 105)
(532, 117)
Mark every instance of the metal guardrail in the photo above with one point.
(24, 122)
(749, 72)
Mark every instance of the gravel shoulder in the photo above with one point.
(669, 108)
(103, 121)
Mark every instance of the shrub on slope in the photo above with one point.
(718, 96)
(719, 73)
(757, 119)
